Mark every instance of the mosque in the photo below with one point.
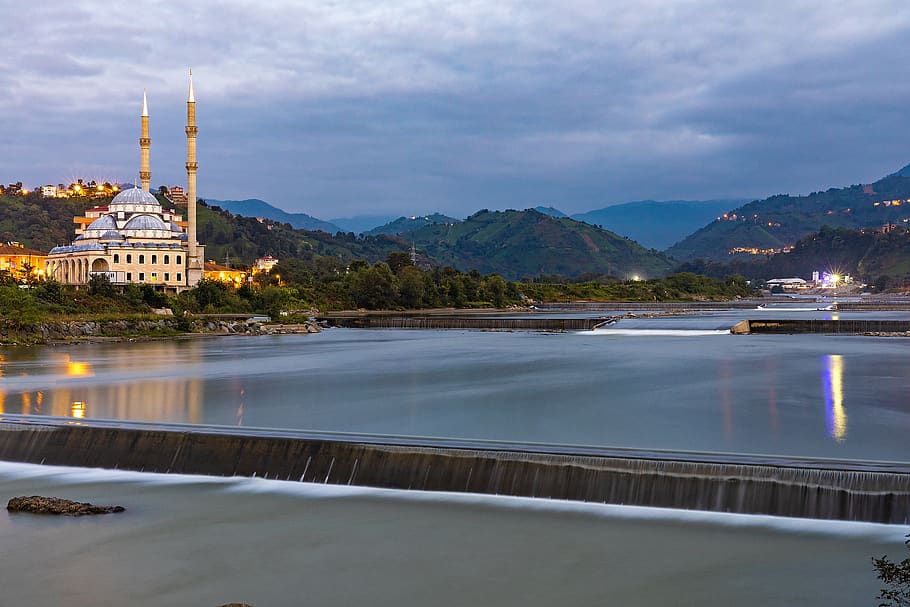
(133, 240)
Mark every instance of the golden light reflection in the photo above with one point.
(78, 408)
(833, 380)
(78, 369)
(26, 403)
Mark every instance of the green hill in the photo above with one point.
(869, 255)
(517, 244)
(782, 220)
(403, 225)
(42, 223)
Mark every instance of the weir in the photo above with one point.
(792, 326)
(823, 489)
(465, 322)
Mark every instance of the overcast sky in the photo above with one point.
(398, 107)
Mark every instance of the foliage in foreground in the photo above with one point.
(897, 578)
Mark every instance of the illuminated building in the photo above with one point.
(264, 264)
(21, 262)
(133, 240)
(231, 276)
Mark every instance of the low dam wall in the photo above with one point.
(855, 327)
(465, 322)
(796, 488)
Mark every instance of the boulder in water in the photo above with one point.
(56, 505)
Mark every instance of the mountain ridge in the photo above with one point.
(255, 207)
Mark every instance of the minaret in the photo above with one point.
(145, 175)
(193, 265)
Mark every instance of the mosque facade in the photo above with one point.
(134, 240)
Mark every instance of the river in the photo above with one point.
(677, 383)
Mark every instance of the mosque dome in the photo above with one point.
(134, 196)
(112, 235)
(105, 222)
(175, 228)
(145, 222)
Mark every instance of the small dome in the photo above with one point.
(112, 235)
(145, 222)
(176, 228)
(105, 222)
(134, 196)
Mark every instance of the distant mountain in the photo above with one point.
(658, 224)
(518, 244)
(254, 207)
(782, 220)
(403, 225)
(361, 223)
(551, 211)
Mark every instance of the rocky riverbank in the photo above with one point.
(113, 330)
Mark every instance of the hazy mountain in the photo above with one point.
(361, 223)
(658, 224)
(519, 244)
(403, 225)
(254, 207)
(551, 211)
(782, 220)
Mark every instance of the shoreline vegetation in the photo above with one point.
(294, 292)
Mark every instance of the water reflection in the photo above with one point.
(76, 394)
(833, 383)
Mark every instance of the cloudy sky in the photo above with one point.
(397, 107)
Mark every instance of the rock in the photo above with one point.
(55, 505)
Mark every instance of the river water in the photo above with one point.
(678, 383)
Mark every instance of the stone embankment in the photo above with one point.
(89, 330)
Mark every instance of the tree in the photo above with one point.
(397, 260)
(897, 578)
(375, 288)
(100, 284)
(410, 287)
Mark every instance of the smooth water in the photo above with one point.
(191, 541)
(667, 383)
(664, 383)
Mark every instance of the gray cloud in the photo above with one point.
(414, 106)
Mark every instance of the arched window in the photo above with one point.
(141, 260)
(178, 260)
(154, 259)
(116, 257)
(129, 258)
(167, 259)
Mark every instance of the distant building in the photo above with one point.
(788, 284)
(49, 191)
(231, 276)
(176, 194)
(264, 264)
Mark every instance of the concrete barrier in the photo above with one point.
(792, 325)
(530, 323)
(863, 493)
